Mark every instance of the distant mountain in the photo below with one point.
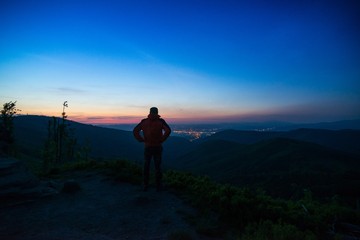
(274, 155)
(281, 166)
(274, 125)
(343, 140)
(31, 133)
(287, 126)
(338, 125)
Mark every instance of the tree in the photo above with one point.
(60, 144)
(8, 113)
(62, 132)
(84, 151)
(50, 152)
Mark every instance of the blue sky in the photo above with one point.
(203, 61)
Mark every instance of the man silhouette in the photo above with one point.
(154, 132)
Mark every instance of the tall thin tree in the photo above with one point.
(8, 113)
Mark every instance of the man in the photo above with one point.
(154, 132)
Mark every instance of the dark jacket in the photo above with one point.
(155, 131)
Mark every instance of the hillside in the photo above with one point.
(101, 200)
(31, 133)
(345, 140)
(102, 207)
(283, 163)
(283, 167)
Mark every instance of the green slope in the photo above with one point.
(345, 140)
(280, 166)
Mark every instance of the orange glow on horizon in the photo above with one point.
(183, 116)
(105, 120)
(112, 120)
(132, 117)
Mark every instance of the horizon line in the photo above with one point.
(188, 121)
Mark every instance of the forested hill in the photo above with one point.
(344, 140)
(283, 163)
(31, 133)
(281, 166)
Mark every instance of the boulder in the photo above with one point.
(71, 186)
(18, 184)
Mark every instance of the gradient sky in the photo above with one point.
(203, 61)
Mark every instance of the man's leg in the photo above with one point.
(146, 173)
(158, 172)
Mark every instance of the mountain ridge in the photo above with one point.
(31, 132)
(280, 166)
(344, 140)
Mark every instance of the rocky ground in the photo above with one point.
(101, 209)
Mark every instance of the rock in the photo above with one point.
(18, 184)
(14, 173)
(71, 186)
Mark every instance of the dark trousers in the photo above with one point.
(156, 154)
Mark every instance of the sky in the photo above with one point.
(197, 61)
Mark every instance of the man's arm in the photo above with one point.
(136, 133)
(167, 131)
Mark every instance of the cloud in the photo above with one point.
(105, 119)
(69, 90)
(305, 112)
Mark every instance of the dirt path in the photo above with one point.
(103, 209)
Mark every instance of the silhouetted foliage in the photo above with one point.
(7, 127)
(83, 154)
(60, 143)
(254, 214)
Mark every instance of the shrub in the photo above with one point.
(240, 210)
(279, 231)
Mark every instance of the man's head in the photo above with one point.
(154, 111)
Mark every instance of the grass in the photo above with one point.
(226, 209)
